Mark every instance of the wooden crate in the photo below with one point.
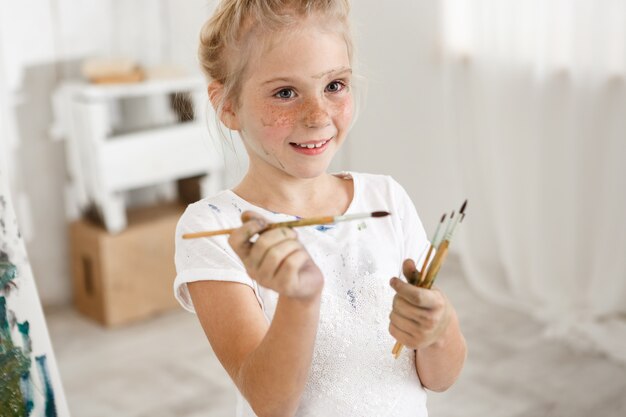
(128, 276)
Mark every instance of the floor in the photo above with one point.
(164, 367)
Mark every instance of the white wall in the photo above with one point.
(400, 132)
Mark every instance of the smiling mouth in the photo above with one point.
(311, 145)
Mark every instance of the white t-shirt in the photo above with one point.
(353, 373)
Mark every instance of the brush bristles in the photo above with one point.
(462, 211)
(443, 218)
(380, 213)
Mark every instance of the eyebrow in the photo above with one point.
(336, 72)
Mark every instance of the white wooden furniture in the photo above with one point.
(103, 165)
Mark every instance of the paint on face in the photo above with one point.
(278, 160)
(312, 112)
(299, 93)
(267, 153)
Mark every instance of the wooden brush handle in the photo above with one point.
(428, 281)
(207, 234)
(434, 267)
(291, 223)
(302, 222)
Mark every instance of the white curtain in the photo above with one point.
(535, 101)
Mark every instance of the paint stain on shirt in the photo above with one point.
(323, 228)
(352, 298)
(237, 207)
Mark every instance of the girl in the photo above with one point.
(304, 321)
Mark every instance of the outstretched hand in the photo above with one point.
(276, 259)
(419, 316)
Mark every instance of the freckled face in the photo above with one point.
(296, 105)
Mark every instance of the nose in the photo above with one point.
(315, 113)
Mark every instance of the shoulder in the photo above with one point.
(380, 185)
(220, 210)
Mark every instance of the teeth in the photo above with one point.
(311, 145)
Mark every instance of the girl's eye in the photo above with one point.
(335, 87)
(285, 93)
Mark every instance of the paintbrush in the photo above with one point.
(430, 251)
(311, 221)
(442, 249)
(435, 265)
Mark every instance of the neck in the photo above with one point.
(282, 193)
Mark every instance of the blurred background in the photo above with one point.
(518, 106)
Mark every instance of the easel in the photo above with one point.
(31, 384)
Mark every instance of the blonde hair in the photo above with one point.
(224, 39)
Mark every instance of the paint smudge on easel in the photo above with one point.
(25, 354)
(42, 365)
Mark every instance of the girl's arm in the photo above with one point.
(424, 320)
(269, 363)
(440, 364)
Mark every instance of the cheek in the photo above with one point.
(277, 118)
(343, 111)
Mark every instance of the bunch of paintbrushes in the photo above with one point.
(440, 242)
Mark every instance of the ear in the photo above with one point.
(227, 114)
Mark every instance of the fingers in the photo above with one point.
(266, 242)
(264, 256)
(419, 297)
(418, 316)
(271, 257)
(410, 271)
(249, 215)
(407, 313)
(239, 239)
(291, 266)
(276, 258)
(402, 336)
